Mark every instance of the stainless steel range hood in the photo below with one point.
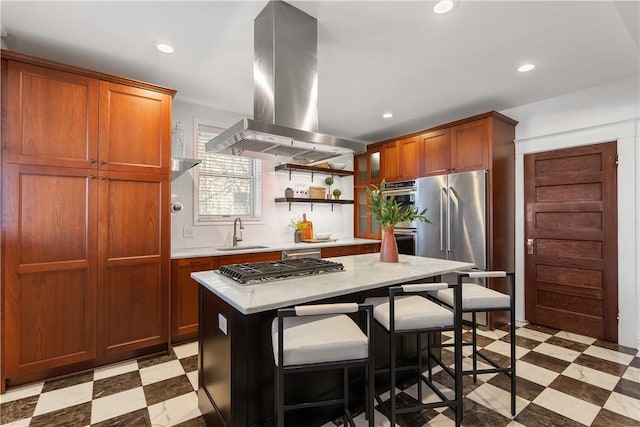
(285, 103)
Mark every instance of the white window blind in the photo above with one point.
(228, 186)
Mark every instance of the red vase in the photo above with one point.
(389, 246)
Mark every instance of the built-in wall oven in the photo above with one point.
(404, 192)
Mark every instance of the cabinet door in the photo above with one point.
(470, 146)
(436, 152)
(52, 117)
(368, 168)
(133, 261)
(184, 295)
(365, 225)
(334, 251)
(135, 129)
(50, 271)
(390, 162)
(409, 157)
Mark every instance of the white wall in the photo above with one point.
(605, 113)
(275, 217)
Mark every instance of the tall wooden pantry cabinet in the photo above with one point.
(85, 218)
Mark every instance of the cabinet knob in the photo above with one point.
(102, 162)
(102, 177)
(92, 176)
(92, 161)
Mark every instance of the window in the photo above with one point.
(228, 186)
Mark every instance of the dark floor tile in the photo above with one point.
(606, 418)
(601, 365)
(541, 328)
(78, 415)
(545, 361)
(116, 384)
(523, 342)
(580, 389)
(476, 415)
(481, 340)
(139, 418)
(570, 344)
(190, 363)
(167, 389)
(18, 409)
(534, 415)
(628, 388)
(193, 422)
(524, 388)
(411, 419)
(616, 347)
(498, 358)
(635, 362)
(68, 381)
(145, 363)
(446, 380)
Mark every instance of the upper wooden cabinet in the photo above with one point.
(435, 156)
(67, 119)
(400, 159)
(368, 167)
(470, 146)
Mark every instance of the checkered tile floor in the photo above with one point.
(563, 380)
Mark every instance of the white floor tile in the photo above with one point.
(186, 350)
(624, 405)
(610, 355)
(162, 371)
(504, 348)
(575, 337)
(514, 423)
(193, 379)
(494, 334)
(632, 374)
(467, 365)
(117, 404)
(440, 421)
(19, 423)
(113, 370)
(21, 392)
(531, 334)
(568, 406)
(174, 411)
(63, 398)
(557, 352)
(591, 376)
(535, 373)
(496, 399)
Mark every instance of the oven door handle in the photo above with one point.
(399, 191)
(404, 232)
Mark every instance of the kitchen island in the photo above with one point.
(235, 355)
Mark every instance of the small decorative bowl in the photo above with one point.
(323, 236)
(337, 165)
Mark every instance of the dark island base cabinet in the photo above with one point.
(236, 368)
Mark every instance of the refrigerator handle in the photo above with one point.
(450, 189)
(443, 194)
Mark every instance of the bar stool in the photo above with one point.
(405, 312)
(475, 299)
(322, 337)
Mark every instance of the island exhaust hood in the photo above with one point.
(285, 103)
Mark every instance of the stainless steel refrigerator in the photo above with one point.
(456, 206)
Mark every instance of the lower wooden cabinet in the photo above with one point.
(350, 250)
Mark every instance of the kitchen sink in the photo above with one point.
(241, 248)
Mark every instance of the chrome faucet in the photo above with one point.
(237, 239)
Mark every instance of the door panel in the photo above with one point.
(436, 152)
(50, 290)
(571, 226)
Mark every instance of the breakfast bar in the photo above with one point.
(235, 355)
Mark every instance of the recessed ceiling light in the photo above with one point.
(443, 6)
(164, 48)
(387, 115)
(526, 67)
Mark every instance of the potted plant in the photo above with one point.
(329, 181)
(288, 192)
(388, 212)
(337, 193)
(298, 225)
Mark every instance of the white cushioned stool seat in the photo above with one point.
(474, 297)
(411, 312)
(319, 339)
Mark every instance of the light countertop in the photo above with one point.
(361, 272)
(270, 247)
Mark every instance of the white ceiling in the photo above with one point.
(373, 56)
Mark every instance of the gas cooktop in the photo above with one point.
(257, 272)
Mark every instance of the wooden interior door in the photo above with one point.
(571, 255)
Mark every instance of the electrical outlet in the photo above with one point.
(188, 232)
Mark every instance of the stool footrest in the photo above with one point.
(314, 404)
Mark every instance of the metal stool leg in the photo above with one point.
(474, 340)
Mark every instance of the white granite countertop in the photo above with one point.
(269, 247)
(361, 272)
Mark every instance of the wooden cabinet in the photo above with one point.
(400, 159)
(86, 242)
(368, 167)
(334, 251)
(435, 156)
(366, 225)
(470, 146)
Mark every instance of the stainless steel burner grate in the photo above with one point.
(256, 272)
